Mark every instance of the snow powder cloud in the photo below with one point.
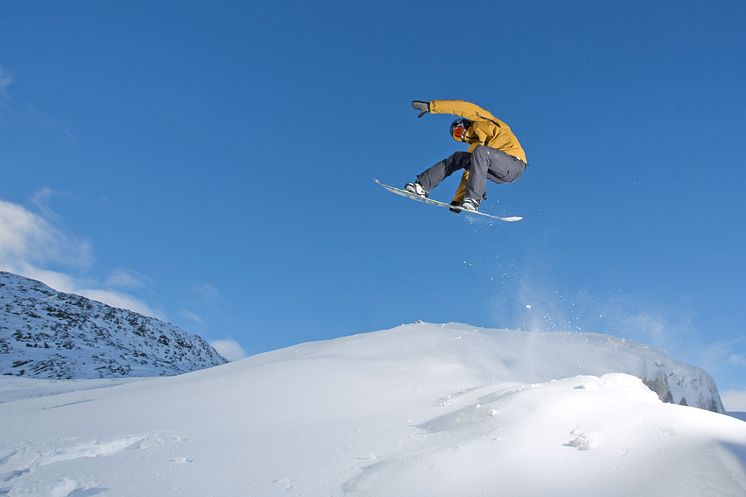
(541, 306)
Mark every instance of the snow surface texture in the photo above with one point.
(419, 410)
(49, 334)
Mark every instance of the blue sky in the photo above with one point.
(211, 163)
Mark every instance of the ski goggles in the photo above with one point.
(458, 132)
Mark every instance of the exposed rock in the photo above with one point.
(49, 334)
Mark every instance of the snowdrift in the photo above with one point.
(431, 410)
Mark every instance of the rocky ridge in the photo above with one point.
(49, 334)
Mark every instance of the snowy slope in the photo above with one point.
(49, 334)
(430, 410)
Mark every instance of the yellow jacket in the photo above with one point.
(486, 130)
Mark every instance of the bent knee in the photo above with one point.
(481, 152)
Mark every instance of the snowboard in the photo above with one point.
(429, 201)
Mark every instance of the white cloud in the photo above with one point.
(54, 279)
(30, 244)
(734, 400)
(121, 300)
(229, 348)
(26, 237)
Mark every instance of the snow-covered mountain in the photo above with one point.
(48, 334)
(418, 410)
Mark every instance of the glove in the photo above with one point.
(423, 107)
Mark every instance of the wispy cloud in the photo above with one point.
(127, 279)
(122, 300)
(229, 348)
(203, 301)
(6, 81)
(26, 114)
(737, 359)
(194, 318)
(41, 199)
(30, 245)
(725, 353)
(208, 295)
(27, 238)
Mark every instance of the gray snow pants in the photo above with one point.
(483, 164)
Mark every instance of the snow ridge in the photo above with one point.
(54, 335)
(439, 410)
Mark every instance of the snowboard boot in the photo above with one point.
(470, 204)
(416, 189)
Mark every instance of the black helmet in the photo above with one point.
(459, 127)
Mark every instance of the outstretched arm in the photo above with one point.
(460, 108)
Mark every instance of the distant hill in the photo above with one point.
(49, 334)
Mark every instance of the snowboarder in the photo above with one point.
(494, 153)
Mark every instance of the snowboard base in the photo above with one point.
(438, 203)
